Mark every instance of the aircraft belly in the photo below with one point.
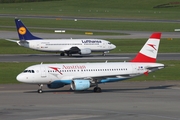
(65, 82)
(113, 79)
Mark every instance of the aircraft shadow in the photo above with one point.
(139, 89)
(103, 90)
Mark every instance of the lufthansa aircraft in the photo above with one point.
(63, 46)
(82, 76)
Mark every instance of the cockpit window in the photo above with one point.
(28, 71)
(109, 43)
(25, 71)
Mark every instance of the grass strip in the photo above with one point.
(41, 24)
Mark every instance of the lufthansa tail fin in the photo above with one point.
(23, 32)
(149, 51)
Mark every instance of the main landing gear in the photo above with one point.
(62, 54)
(97, 89)
(40, 88)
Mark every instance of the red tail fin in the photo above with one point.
(149, 51)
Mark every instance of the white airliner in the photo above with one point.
(82, 76)
(68, 46)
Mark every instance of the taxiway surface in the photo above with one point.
(118, 101)
(132, 35)
(79, 58)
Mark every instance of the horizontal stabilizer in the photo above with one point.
(12, 40)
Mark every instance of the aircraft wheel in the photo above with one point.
(97, 89)
(62, 54)
(70, 89)
(40, 91)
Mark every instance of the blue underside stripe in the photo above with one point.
(67, 82)
(112, 80)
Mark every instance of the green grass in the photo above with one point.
(9, 71)
(51, 30)
(123, 46)
(142, 9)
(49, 25)
(95, 8)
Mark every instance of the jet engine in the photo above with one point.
(85, 51)
(80, 84)
(76, 50)
(55, 85)
(73, 50)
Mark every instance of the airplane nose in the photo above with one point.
(114, 46)
(20, 78)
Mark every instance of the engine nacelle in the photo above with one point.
(80, 84)
(85, 51)
(55, 85)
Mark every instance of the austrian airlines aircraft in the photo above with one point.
(82, 76)
(68, 46)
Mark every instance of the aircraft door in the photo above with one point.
(37, 46)
(43, 72)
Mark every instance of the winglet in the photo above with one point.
(23, 32)
(149, 51)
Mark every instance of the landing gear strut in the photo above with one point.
(40, 88)
(104, 53)
(97, 89)
(62, 54)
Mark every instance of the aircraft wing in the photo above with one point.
(99, 78)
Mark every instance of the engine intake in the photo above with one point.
(85, 51)
(80, 84)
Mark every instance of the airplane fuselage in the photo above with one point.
(65, 73)
(59, 45)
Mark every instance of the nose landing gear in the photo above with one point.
(104, 53)
(40, 88)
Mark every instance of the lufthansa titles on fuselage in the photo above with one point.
(93, 42)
